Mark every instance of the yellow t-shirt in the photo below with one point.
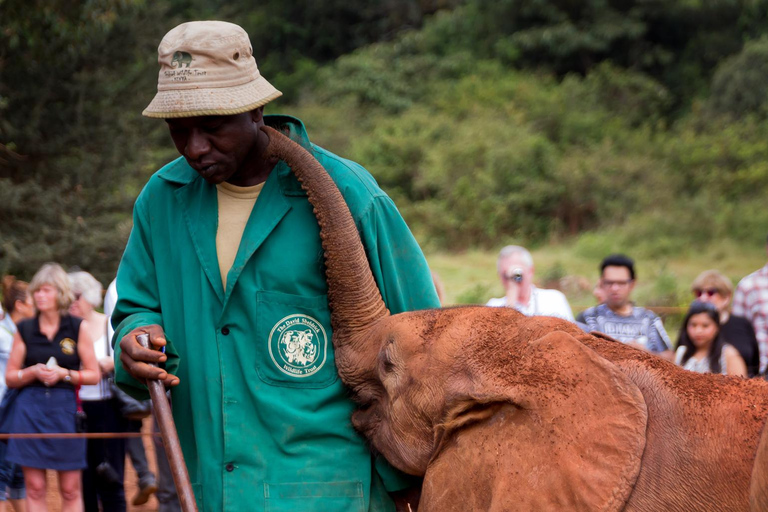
(235, 205)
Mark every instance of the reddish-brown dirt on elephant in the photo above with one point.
(502, 412)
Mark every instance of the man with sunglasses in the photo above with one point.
(619, 318)
(751, 302)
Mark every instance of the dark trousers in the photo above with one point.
(135, 448)
(11, 476)
(103, 416)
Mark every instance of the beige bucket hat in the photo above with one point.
(207, 68)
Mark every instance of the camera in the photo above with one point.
(516, 275)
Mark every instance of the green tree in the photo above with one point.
(738, 85)
(70, 131)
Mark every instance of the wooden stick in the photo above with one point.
(164, 418)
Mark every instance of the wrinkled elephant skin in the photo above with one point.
(502, 412)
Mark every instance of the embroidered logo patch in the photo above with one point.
(181, 59)
(298, 345)
(67, 346)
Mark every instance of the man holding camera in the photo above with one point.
(515, 268)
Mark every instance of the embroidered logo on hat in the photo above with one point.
(207, 68)
(181, 59)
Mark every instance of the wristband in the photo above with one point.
(68, 376)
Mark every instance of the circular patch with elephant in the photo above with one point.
(298, 345)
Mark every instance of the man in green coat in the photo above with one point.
(224, 268)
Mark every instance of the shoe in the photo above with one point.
(107, 475)
(144, 493)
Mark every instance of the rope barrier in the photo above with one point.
(83, 435)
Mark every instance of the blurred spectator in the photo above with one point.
(599, 294)
(52, 353)
(621, 319)
(17, 306)
(751, 302)
(515, 269)
(713, 287)
(103, 478)
(701, 347)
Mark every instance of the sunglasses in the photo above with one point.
(709, 292)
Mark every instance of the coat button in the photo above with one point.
(225, 331)
(230, 467)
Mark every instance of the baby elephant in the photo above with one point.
(502, 412)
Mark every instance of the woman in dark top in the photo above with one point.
(713, 287)
(52, 353)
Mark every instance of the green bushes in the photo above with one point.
(496, 154)
(738, 85)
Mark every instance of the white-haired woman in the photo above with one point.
(52, 353)
(103, 478)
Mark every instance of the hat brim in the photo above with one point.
(214, 101)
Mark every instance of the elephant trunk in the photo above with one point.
(353, 296)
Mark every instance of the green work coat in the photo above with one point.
(263, 419)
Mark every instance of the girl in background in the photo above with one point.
(700, 346)
(713, 287)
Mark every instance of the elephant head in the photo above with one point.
(536, 410)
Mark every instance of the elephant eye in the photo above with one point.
(386, 363)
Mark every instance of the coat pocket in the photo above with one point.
(314, 496)
(295, 333)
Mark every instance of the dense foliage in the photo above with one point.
(533, 121)
(74, 78)
(636, 125)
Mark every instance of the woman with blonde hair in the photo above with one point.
(713, 287)
(52, 354)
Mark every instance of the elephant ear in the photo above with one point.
(553, 427)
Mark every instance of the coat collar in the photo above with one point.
(197, 199)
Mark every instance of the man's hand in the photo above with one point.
(512, 289)
(136, 359)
